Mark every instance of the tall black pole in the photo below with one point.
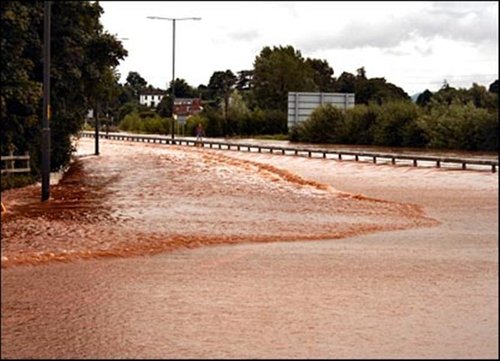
(46, 103)
(173, 75)
(97, 128)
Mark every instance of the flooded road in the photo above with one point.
(138, 199)
(427, 288)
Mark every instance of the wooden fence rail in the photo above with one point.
(309, 152)
(11, 161)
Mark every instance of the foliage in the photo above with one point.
(278, 71)
(220, 87)
(325, 125)
(461, 127)
(493, 88)
(244, 81)
(9, 181)
(145, 122)
(397, 125)
(322, 74)
(192, 122)
(213, 121)
(135, 84)
(83, 58)
(424, 98)
(455, 126)
(360, 121)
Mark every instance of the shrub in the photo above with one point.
(460, 126)
(325, 125)
(150, 123)
(193, 121)
(9, 181)
(360, 122)
(397, 125)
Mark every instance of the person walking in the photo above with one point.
(199, 133)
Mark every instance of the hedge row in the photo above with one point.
(405, 124)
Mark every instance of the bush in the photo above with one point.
(460, 126)
(397, 125)
(130, 122)
(145, 122)
(192, 122)
(360, 122)
(16, 181)
(214, 122)
(326, 124)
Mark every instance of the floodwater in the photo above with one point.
(137, 199)
(326, 259)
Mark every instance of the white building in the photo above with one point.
(151, 98)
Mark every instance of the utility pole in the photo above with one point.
(173, 59)
(46, 103)
(173, 76)
(97, 128)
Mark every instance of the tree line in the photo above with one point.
(254, 102)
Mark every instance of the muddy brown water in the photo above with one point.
(162, 252)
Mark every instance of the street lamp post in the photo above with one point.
(97, 120)
(46, 104)
(173, 58)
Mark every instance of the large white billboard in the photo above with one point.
(302, 104)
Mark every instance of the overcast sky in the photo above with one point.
(414, 45)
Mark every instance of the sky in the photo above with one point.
(415, 45)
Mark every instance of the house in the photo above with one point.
(151, 97)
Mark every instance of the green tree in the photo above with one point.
(360, 122)
(82, 59)
(346, 83)
(136, 83)
(482, 98)
(459, 126)
(493, 88)
(244, 81)
(424, 98)
(398, 125)
(220, 86)
(278, 71)
(21, 89)
(322, 74)
(327, 124)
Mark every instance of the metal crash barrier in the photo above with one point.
(299, 151)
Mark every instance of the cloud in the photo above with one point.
(469, 22)
(247, 35)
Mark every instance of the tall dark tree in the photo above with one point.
(493, 87)
(183, 89)
(424, 98)
(83, 56)
(278, 71)
(244, 81)
(346, 83)
(220, 86)
(136, 83)
(323, 74)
